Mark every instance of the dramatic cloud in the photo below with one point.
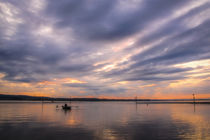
(105, 48)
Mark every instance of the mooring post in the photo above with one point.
(193, 98)
(136, 99)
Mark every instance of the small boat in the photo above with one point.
(66, 107)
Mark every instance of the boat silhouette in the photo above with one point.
(66, 107)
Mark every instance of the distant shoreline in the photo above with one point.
(136, 102)
(4, 97)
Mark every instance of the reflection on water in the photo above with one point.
(104, 120)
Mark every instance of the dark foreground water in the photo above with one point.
(104, 121)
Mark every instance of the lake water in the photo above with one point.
(103, 121)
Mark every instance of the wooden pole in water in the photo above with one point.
(70, 100)
(136, 99)
(193, 98)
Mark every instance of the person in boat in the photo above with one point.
(66, 106)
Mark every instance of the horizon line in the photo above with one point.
(104, 98)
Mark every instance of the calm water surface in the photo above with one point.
(103, 121)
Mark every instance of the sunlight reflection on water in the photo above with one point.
(104, 120)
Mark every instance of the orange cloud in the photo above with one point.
(61, 81)
(71, 80)
(150, 85)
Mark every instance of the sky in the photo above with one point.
(156, 49)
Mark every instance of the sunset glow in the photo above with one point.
(105, 49)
